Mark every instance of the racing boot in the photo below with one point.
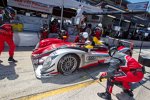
(129, 92)
(11, 59)
(1, 61)
(105, 95)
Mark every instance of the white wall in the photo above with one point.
(32, 23)
(26, 38)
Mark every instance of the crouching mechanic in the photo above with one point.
(6, 32)
(124, 70)
(44, 32)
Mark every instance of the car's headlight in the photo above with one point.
(41, 61)
(47, 62)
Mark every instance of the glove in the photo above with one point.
(103, 75)
(88, 42)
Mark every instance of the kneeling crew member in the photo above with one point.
(123, 69)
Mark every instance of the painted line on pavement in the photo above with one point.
(43, 95)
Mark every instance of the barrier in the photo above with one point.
(26, 38)
(136, 43)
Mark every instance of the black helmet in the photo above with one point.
(9, 12)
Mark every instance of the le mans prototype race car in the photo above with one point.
(53, 56)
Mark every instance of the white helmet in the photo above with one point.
(99, 25)
(85, 35)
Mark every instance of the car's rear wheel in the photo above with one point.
(68, 64)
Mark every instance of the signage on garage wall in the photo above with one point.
(29, 4)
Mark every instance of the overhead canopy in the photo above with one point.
(59, 3)
(70, 4)
(67, 12)
(31, 5)
(128, 15)
(113, 12)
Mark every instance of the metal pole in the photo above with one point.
(135, 28)
(120, 20)
(148, 24)
(121, 14)
(120, 3)
(141, 47)
(62, 10)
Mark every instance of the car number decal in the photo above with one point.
(88, 58)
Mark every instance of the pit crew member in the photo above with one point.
(44, 32)
(123, 70)
(6, 32)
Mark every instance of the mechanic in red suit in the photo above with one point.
(44, 32)
(123, 70)
(98, 31)
(79, 38)
(54, 26)
(6, 32)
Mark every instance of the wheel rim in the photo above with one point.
(68, 64)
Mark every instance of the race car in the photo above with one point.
(47, 43)
(53, 56)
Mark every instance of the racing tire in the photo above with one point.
(68, 64)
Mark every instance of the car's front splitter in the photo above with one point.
(39, 74)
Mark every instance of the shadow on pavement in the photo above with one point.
(78, 76)
(123, 96)
(25, 48)
(145, 79)
(8, 71)
(22, 48)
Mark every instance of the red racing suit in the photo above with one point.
(54, 28)
(123, 69)
(6, 35)
(79, 39)
(44, 34)
(98, 34)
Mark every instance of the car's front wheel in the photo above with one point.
(68, 64)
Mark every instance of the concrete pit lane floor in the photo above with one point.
(18, 82)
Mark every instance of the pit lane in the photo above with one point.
(17, 80)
